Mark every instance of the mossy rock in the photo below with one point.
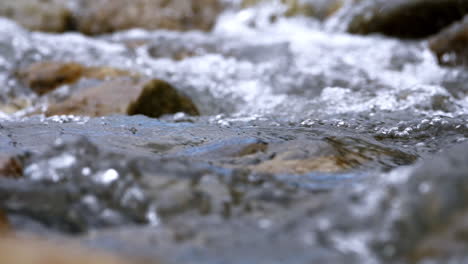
(159, 98)
(131, 96)
(405, 18)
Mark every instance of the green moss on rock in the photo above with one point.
(159, 98)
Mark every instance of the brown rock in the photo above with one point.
(16, 250)
(44, 77)
(320, 9)
(405, 18)
(451, 45)
(10, 167)
(300, 157)
(106, 16)
(126, 96)
(45, 15)
(4, 224)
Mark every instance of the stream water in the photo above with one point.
(364, 118)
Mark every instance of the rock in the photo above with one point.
(300, 157)
(43, 77)
(10, 167)
(106, 16)
(28, 250)
(158, 98)
(49, 15)
(126, 96)
(4, 224)
(320, 9)
(405, 18)
(451, 45)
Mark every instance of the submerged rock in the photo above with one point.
(405, 18)
(105, 16)
(130, 96)
(50, 15)
(451, 45)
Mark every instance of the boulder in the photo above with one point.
(48, 15)
(405, 18)
(451, 45)
(131, 96)
(106, 16)
(157, 98)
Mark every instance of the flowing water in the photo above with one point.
(193, 189)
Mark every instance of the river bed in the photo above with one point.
(313, 145)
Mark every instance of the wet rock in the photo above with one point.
(320, 9)
(73, 194)
(450, 45)
(125, 96)
(434, 208)
(104, 16)
(409, 215)
(405, 18)
(50, 15)
(158, 98)
(10, 167)
(32, 250)
(44, 77)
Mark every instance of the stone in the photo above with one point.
(4, 224)
(451, 45)
(43, 77)
(48, 15)
(320, 9)
(106, 16)
(125, 96)
(158, 98)
(32, 250)
(10, 167)
(405, 18)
